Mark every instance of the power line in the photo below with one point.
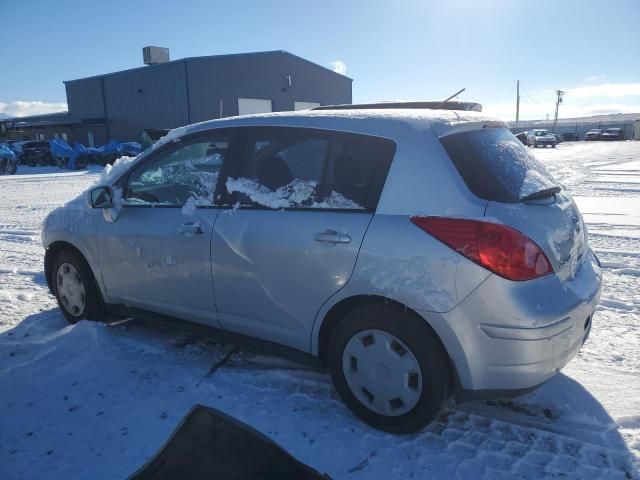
(527, 94)
(506, 100)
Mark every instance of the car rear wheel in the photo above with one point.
(75, 288)
(389, 367)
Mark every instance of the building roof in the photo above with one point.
(204, 57)
(57, 118)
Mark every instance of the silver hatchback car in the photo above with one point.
(418, 253)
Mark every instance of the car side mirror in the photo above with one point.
(101, 197)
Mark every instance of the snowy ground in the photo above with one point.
(96, 401)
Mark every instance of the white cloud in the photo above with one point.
(21, 108)
(609, 90)
(595, 78)
(530, 111)
(579, 101)
(339, 66)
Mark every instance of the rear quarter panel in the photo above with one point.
(398, 260)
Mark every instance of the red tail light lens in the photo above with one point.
(501, 249)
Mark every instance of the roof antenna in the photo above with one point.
(449, 98)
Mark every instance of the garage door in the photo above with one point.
(248, 106)
(305, 105)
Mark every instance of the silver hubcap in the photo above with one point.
(382, 372)
(70, 289)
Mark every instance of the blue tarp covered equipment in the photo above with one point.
(106, 153)
(71, 158)
(60, 148)
(7, 153)
(132, 149)
(79, 157)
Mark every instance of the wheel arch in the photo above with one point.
(50, 254)
(341, 308)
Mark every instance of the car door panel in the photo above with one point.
(302, 200)
(273, 269)
(152, 258)
(155, 254)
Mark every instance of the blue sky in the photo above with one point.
(392, 49)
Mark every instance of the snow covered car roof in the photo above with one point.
(384, 121)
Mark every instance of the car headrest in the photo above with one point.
(273, 173)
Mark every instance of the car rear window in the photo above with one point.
(495, 165)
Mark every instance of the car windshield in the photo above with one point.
(496, 166)
(542, 133)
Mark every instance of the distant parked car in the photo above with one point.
(593, 134)
(36, 153)
(541, 137)
(612, 134)
(522, 136)
(570, 136)
(8, 160)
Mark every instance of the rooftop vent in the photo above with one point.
(155, 55)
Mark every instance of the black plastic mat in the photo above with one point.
(211, 445)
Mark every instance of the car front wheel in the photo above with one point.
(389, 367)
(75, 288)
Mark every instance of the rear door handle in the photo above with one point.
(331, 236)
(191, 228)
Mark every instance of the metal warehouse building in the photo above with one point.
(168, 94)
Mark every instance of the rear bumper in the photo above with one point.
(507, 337)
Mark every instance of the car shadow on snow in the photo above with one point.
(560, 420)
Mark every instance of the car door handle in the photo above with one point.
(331, 236)
(191, 228)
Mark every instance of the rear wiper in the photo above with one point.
(547, 192)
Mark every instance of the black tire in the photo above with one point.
(11, 168)
(94, 306)
(553, 145)
(424, 345)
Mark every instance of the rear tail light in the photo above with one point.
(501, 249)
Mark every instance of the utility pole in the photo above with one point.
(559, 94)
(517, 102)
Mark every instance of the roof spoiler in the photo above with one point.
(438, 105)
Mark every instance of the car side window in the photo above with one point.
(299, 168)
(186, 174)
